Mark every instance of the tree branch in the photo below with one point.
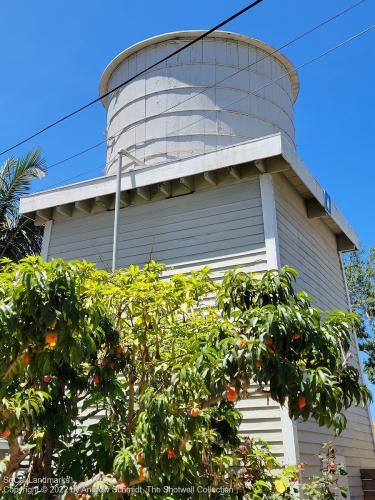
(12, 462)
(86, 485)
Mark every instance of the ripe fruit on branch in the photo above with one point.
(141, 475)
(241, 343)
(26, 358)
(231, 394)
(140, 457)
(302, 402)
(51, 339)
(96, 379)
(195, 411)
(121, 488)
(171, 454)
(296, 336)
(6, 433)
(268, 340)
(47, 379)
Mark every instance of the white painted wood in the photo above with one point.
(46, 239)
(290, 438)
(289, 428)
(191, 127)
(231, 156)
(203, 225)
(269, 221)
(101, 186)
(310, 247)
(305, 176)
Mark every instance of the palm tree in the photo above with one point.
(18, 234)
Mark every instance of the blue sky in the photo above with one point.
(53, 53)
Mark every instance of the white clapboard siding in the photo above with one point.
(310, 247)
(208, 224)
(218, 227)
(3, 448)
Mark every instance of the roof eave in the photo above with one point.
(277, 153)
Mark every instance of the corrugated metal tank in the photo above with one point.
(224, 90)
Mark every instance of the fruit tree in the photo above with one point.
(113, 381)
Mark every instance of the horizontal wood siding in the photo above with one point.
(310, 247)
(209, 224)
(220, 227)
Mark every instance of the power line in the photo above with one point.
(310, 61)
(306, 63)
(76, 155)
(94, 101)
(206, 89)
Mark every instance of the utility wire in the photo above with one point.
(94, 101)
(303, 65)
(268, 84)
(206, 89)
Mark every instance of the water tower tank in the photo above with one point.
(225, 89)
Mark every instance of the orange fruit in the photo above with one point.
(96, 379)
(47, 379)
(171, 454)
(6, 433)
(268, 341)
(51, 339)
(26, 358)
(241, 343)
(296, 336)
(302, 402)
(140, 457)
(231, 394)
(141, 475)
(195, 412)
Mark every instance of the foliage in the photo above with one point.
(18, 234)
(327, 485)
(360, 275)
(134, 377)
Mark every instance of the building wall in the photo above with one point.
(220, 227)
(223, 227)
(310, 247)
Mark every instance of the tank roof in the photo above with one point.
(176, 35)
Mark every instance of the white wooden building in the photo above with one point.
(223, 187)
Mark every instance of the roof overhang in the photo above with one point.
(270, 154)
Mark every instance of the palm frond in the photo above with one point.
(18, 235)
(16, 176)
